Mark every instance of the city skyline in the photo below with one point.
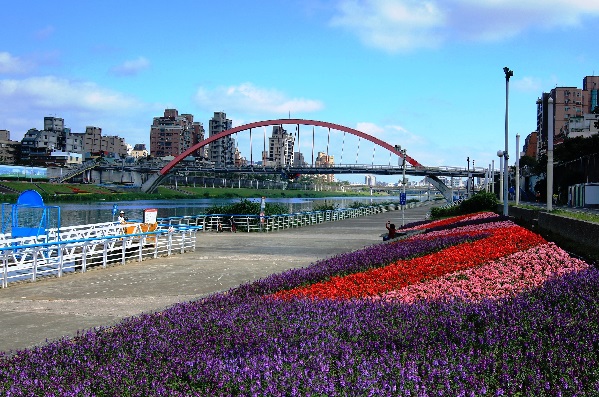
(427, 76)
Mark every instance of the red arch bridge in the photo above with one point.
(333, 131)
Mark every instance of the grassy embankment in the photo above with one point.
(86, 193)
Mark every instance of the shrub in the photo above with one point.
(481, 201)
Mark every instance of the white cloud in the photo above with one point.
(131, 67)
(247, 98)
(11, 64)
(391, 25)
(527, 84)
(24, 103)
(370, 129)
(44, 33)
(52, 93)
(392, 134)
(402, 25)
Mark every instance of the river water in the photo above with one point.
(96, 212)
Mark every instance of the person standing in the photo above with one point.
(122, 218)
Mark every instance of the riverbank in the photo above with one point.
(52, 308)
(73, 192)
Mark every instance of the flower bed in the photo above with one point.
(433, 336)
(504, 239)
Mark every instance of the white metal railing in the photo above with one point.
(29, 258)
(256, 223)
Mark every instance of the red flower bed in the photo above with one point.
(502, 241)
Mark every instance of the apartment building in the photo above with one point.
(139, 151)
(10, 151)
(280, 147)
(94, 142)
(325, 160)
(174, 133)
(222, 151)
(36, 145)
(571, 107)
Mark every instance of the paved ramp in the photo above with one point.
(31, 313)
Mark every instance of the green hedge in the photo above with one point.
(481, 201)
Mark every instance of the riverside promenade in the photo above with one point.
(49, 309)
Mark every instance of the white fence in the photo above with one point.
(256, 223)
(77, 248)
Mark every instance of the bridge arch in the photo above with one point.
(166, 169)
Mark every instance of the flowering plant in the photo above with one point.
(491, 309)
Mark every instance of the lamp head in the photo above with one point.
(500, 153)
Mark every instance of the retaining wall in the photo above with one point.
(576, 230)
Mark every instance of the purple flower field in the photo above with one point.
(543, 342)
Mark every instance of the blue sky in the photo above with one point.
(427, 75)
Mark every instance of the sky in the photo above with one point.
(426, 75)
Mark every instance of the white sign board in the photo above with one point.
(150, 215)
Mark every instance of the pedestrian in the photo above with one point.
(233, 225)
(391, 231)
(122, 218)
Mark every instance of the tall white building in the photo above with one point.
(370, 180)
(221, 151)
(280, 146)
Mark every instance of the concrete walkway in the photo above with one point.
(46, 310)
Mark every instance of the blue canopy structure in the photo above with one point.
(31, 217)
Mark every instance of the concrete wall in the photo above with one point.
(583, 232)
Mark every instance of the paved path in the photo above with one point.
(31, 313)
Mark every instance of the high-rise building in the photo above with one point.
(221, 151)
(325, 160)
(174, 133)
(10, 151)
(590, 87)
(94, 142)
(280, 146)
(36, 145)
(570, 104)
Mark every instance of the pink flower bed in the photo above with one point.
(495, 279)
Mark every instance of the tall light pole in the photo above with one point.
(473, 170)
(468, 178)
(550, 154)
(508, 74)
(500, 155)
(492, 176)
(403, 182)
(517, 169)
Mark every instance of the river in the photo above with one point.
(96, 212)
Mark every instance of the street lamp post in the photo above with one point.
(517, 169)
(492, 176)
(500, 155)
(403, 182)
(468, 178)
(550, 155)
(508, 74)
(473, 171)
